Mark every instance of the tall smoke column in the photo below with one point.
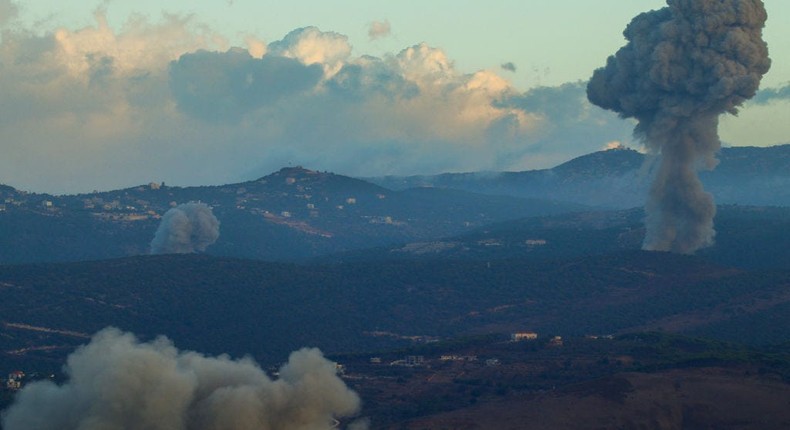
(186, 228)
(682, 67)
(117, 382)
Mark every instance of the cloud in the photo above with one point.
(186, 228)
(369, 77)
(768, 95)
(509, 66)
(313, 46)
(90, 105)
(425, 64)
(379, 29)
(171, 101)
(116, 381)
(8, 11)
(216, 86)
(569, 124)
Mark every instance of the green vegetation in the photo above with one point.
(267, 310)
(582, 367)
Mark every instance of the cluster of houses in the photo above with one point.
(419, 360)
(15, 381)
(555, 341)
(115, 209)
(8, 202)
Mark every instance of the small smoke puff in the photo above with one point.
(186, 228)
(118, 382)
(509, 66)
(379, 29)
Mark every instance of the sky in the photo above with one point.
(112, 94)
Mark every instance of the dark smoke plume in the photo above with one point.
(186, 228)
(117, 382)
(682, 67)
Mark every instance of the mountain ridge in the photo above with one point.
(291, 214)
(609, 162)
(620, 178)
(296, 214)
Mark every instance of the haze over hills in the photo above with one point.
(297, 214)
(619, 179)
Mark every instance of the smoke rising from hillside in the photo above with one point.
(186, 228)
(117, 382)
(682, 67)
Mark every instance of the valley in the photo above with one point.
(418, 294)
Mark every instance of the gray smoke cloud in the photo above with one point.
(117, 382)
(189, 227)
(682, 67)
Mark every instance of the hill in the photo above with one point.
(297, 214)
(747, 237)
(674, 399)
(619, 179)
(641, 380)
(292, 214)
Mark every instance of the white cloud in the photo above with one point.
(256, 46)
(313, 46)
(425, 65)
(103, 108)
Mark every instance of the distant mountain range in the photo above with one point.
(620, 178)
(292, 214)
(297, 214)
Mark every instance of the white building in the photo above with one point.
(521, 336)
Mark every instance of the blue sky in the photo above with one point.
(403, 88)
(550, 41)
